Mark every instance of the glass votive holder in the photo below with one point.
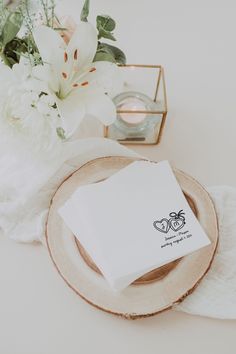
(140, 118)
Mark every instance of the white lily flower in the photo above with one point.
(78, 85)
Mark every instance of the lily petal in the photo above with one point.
(50, 44)
(100, 106)
(106, 76)
(72, 111)
(45, 74)
(83, 44)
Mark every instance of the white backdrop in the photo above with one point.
(195, 42)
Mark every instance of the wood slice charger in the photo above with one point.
(154, 292)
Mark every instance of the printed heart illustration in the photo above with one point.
(162, 225)
(176, 224)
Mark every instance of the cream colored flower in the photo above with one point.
(26, 114)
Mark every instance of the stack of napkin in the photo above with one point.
(133, 222)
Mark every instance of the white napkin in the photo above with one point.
(133, 222)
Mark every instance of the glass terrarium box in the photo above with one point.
(141, 106)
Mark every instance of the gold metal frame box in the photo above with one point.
(135, 125)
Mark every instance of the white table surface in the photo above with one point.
(195, 41)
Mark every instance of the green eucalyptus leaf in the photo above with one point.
(85, 11)
(105, 26)
(105, 34)
(5, 59)
(118, 54)
(11, 28)
(4, 13)
(14, 49)
(11, 61)
(106, 22)
(1, 44)
(104, 54)
(108, 52)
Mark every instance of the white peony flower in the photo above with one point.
(27, 112)
(78, 85)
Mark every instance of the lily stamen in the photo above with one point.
(76, 54)
(65, 57)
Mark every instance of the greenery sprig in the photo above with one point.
(105, 26)
(13, 46)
